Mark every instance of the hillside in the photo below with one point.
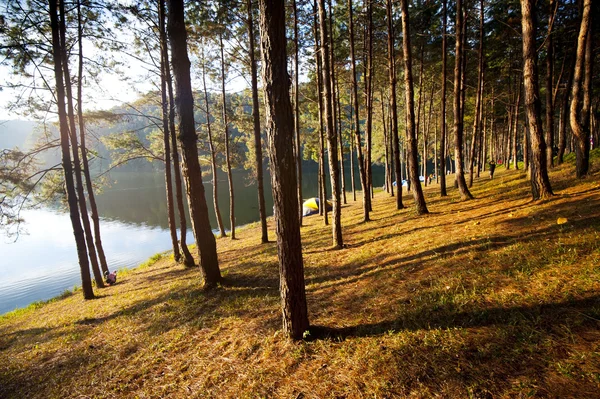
(490, 298)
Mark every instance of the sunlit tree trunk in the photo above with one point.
(579, 115)
(331, 139)
(564, 116)
(540, 184)
(358, 142)
(413, 165)
(84, 265)
(393, 105)
(279, 130)
(297, 112)
(478, 98)
(205, 240)
(458, 115)
(549, 86)
(258, 155)
(443, 138)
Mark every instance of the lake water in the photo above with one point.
(43, 263)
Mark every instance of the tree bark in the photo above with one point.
(205, 240)
(166, 139)
(297, 114)
(564, 116)
(331, 139)
(540, 184)
(549, 87)
(465, 194)
(188, 260)
(478, 98)
(279, 130)
(443, 192)
(213, 156)
(258, 156)
(91, 249)
(84, 265)
(358, 142)
(86, 167)
(393, 105)
(579, 115)
(515, 131)
(421, 206)
(227, 149)
(369, 103)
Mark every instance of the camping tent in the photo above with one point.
(311, 206)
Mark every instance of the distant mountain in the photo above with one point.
(17, 133)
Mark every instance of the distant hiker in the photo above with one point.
(492, 168)
(110, 278)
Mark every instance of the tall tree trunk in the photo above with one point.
(579, 115)
(369, 102)
(540, 184)
(227, 149)
(564, 115)
(188, 259)
(166, 138)
(322, 186)
(297, 114)
(279, 127)
(258, 156)
(89, 238)
(413, 164)
(341, 144)
(205, 240)
(213, 155)
(84, 265)
(465, 194)
(358, 144)
(351, 123)
(549, 88)
(478, 98)
(443, 139)
(86, 167)
(393, 105)
(331, 139)
(515, 132)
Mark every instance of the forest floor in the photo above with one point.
(490, 298)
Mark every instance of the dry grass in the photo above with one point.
(487, 298)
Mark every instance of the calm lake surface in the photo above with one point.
(42, 263)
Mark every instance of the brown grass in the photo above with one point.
(488, 298)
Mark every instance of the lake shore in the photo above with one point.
(494, 297)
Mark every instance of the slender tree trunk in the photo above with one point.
(361, 163)
(188, 259)
(443, 139)
(385, 125)
(413, 163)
(258, 156)
(279, 127)
(166, 138)
(465, 194)
(84, 265)
(369, 102)
(323, 186)
(205, 240)
(351, 123)
(341, 144)
(564, 116)
(297, 114)
(515, 132)
(540, 184)
(89, 238)
(331, 139)
(227, 149)
(213, 156)
(86, 167)
(579, 115)
(393, 105)
(549, 88)
(478, 98)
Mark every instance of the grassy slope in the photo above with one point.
(485, 298)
